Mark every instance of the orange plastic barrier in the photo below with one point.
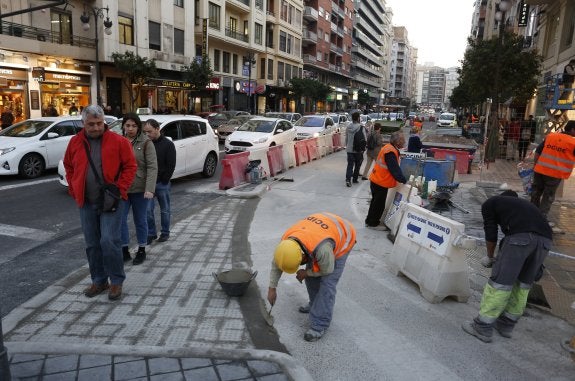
(276, 160)
(301, 155)
(462, 159)
(234, 170)
(312, 149)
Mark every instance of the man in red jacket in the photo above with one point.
(114, 162)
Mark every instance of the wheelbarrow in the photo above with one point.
(235, 282)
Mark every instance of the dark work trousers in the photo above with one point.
(523, 145)
(543, 191)
(377, 204)
(354, 160)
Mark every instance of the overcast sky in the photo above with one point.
(437, 28)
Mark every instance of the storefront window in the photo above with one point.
(62, 98)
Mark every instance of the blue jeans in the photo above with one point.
(103, 244)
(321, 291)
(139, 206)
(163, 196)
(354, 160)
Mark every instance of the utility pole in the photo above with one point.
(249, 60)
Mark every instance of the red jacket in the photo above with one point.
(117, 153)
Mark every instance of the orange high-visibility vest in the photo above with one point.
(557, 158)
(380, 174)
(318, 228)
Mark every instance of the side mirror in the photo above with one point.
(279, 131)
(53, 135)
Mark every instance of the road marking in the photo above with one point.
(6, 187)
(24, 232)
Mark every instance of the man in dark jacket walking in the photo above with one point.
(166, 155)
(354, 156)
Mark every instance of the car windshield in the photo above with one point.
(26, 129)
(310, 121)
(219, 116)
(280, 115)
(447, 117)
(257, 126)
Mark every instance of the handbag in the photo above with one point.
(110, 196)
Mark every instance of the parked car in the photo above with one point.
(30, 147)
(340, 121)
(231, 125)
(197, 149)
(447, 119)
(291, 116)
(312, 126)
(258, 133)
(222, 117)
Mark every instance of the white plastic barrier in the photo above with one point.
(395, 197)
(322, 144)
(429, 249)
(261, 154)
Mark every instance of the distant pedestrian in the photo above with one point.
(114, 161)
(7, 118)
(166, 156)
(321, 242)
(374, 144)
(52, 111)
(73, 110)
(513, 134)
(527, 241)
(526, 136)
(414, 143)
(354, 153)
(142, 189)
(386, 174)
(554, 161)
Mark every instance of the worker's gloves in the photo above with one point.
(487, 262)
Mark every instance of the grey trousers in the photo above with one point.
(543, 191)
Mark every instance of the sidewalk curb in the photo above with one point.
(290, 366)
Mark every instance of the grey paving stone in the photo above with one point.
(204, 374)
(273, 377)
(17, 357)
(91, 361)
(261, 368)
(130, 370)
(233, 371)
(55, 364)
(163, 365)
(191, 363)
(26, 369)
(176, 376)
(65, 376)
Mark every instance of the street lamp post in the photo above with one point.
(85, 19)
(249, 60)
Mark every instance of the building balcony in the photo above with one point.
(237, 35)
(337, 10)
(309, 59)
(310, 14)
(44, 35)
(242, 6)
(309, 37)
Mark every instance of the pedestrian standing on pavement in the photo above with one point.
(554, 161)
(386, 174)
(513, 136)
(568, 78)
(414, 143)
(526, 136)
(166, 156)
(374, 144)
(527, 241)
(354, 152)
(114, 161)
(321, 242)
(142, 189)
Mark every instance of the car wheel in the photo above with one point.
(210, 165)
(31, 166)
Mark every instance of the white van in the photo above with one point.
(447, 119)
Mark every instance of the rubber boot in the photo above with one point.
(126, 253)
(140, 256)
(504, 326)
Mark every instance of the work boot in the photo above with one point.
(163, 237)
(504, 326)
(126, 253)
(95, 289)
(483, 331)
(313, 335)
(140, 256)
(115, 292)
(304, 309)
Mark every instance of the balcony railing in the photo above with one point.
(309, 58)
(237, 35)
(33, 33)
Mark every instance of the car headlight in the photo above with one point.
(6, 150)
(316, 134)
(261, 140)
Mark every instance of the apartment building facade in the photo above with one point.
(403, 59)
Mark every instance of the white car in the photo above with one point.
(259, 133)
(340, 121)
(30, 147)
(312, 126)
(197, 149)
(291, 116)
(447, 119)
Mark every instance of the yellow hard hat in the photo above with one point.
(288, 256)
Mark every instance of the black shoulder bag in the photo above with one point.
(109, 193)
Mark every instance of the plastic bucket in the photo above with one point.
(235, 282)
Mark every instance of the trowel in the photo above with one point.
(268, 316)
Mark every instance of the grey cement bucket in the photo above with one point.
(235, 282)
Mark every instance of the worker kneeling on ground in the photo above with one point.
(527, 241)
(321, 242)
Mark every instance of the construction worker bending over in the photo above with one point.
(522, 251)
(321, 242)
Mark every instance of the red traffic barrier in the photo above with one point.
(312, 149)
(462, 158)
(301, 156)
(234, 170)
(276, 160)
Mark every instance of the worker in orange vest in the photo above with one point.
(321, 242)
(554, 161)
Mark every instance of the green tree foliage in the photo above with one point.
(199, 73)
(363, 98)
(305, 87)
(135, 71)
(497, 69)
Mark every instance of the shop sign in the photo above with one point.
(10, 73)
(523, 14)
(66, 77)
(214, 84)
(171, 83)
